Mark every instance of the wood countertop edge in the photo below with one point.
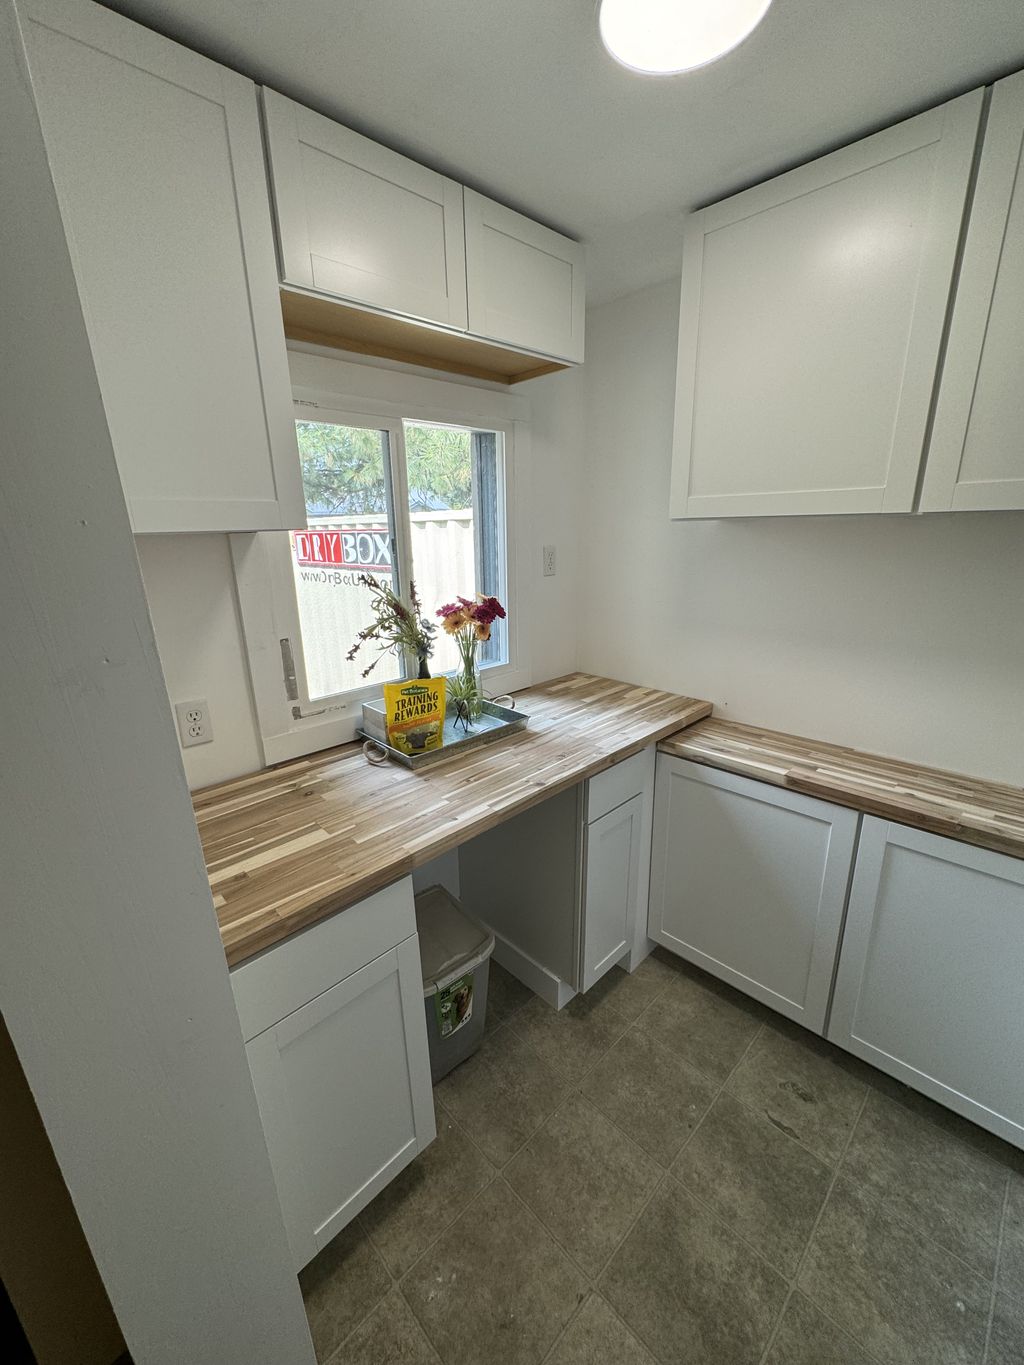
(916, 810)
(242, 943)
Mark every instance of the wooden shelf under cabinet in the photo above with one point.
(323, 322)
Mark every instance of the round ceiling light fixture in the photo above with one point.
(664, 37)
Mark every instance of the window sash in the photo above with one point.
(267, 596)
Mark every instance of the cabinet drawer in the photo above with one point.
(627, 779)
(288, 975)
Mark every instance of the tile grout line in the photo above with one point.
(573, 1089)
(716, 1096)
(995, 1275)
(905, 1222)
(795, 1282)
(562, 1331)
(666, 1175)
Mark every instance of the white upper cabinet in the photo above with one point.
(158, 164)
(359, 222)
(812, 314)
(526, 283)
(976, 457)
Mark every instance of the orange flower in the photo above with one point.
(454, 621)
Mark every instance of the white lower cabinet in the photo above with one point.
(931, 977)
(342, 1077)
(611, 889)
(749, 882)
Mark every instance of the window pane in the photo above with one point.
(455, 483)
(345, 474)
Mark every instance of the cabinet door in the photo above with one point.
(526, 283)
(930, 986)
(976, 457)
(343, 1086)
(359, 222)
(749, 882)
(158, 164)
(812, 312)
(611, 889)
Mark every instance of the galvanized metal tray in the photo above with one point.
(495, 723)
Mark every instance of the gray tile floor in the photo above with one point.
(666, 1172)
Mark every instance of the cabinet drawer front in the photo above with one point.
(931, 984)
(292, 973)
(749, 882)
(358, 221)
(158, 165)
(812, 312)
(632, 777)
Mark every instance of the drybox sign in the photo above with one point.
(348, 547)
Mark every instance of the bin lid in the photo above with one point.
(449, 939)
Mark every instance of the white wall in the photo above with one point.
(903, 635)
(191, 593)
(113, 983)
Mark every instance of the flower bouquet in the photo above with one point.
(396, 628)
(469, 622)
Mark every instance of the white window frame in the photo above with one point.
(268, 614)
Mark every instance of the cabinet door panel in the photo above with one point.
(976, 457)
(812, 311)
(526, 283)
(158, 165)
(343, 1086)
(749, 882)
(611, 889)
(360, 222)
(930, 985)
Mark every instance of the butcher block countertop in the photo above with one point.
(967, 808)
(290, 845)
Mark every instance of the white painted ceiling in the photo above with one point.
(520, 100)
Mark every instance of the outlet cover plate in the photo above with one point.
(193, 722)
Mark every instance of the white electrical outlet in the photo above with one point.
(549, 561)
(193, 722)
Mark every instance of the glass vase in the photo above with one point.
(465, 690)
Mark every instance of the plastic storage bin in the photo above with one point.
(455, 952)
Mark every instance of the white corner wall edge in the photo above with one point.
(112, 980)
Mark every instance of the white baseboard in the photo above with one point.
(549, 987)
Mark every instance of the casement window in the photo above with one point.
(406, 499)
